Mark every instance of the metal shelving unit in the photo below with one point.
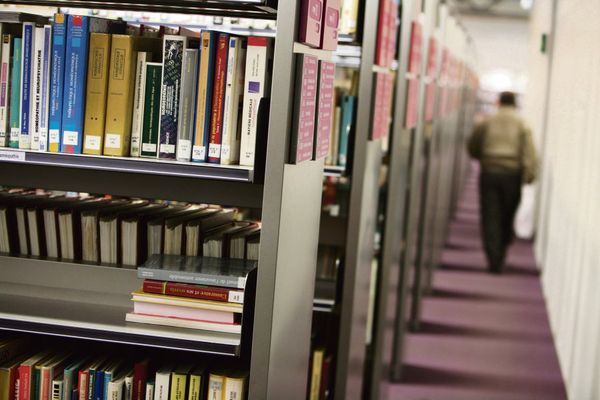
(90, 302)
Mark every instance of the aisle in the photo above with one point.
(483, 336)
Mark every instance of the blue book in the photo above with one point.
(15, 95)
(348, 105)
(99, 385)
(27, 45)
(57, 78)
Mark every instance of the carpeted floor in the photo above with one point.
(483, 336)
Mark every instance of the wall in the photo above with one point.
(569, 224)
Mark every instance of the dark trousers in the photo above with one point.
(499, 197)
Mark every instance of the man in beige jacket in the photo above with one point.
(504, 147)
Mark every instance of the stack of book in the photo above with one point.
(46, 374)
(104, 230)
(203, 293)
(81, 84)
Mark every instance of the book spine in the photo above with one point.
(119, 104)
(195, 387)
(215, 387)
(71, 140)
(161, 386)
(254, 89)
(45, 100)
(98, 386)
(331, 24)
(128, 395)
(177, 390)
(149, 391)
(151, 123)
(36, 88)
(324, 118)
(305, 106)
(57, 79)
(194, 292)
(5, 90)
(115, 391)
(15, 94)
(311, 22)
(96, 93)
(345, 127)
(140, 374)
(58, 390)
(228, 134)
(108, 375)
(45, 383)
(137, 118)
(205, 92)
(234, 388)
(173, 49)
(91, 384)
(24, 382)
(35, 394)
(315, 379)
(203, 279)
(26, 68)
(216, 123)
(187, 104)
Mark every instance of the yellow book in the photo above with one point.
(4, 383)
(119, 106)
(195, 386)
(315, 375)
(178, 384)
(203, 94)
(216, 385)
(235, 387)
(97, 89)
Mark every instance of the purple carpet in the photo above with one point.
(483, 336)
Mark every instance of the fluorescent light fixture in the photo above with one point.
(526, 4)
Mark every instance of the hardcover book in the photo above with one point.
(45, 97)
(15, 94)
(205, 94)
(331, 24)
(137, 119)
(26, 68)
(209, 271)
(346, 122)
(5, 78)
(303, 129)
(37, 51)
(324, 118)
(256, 86)
(151, 121)
(311, 19)
(234, 90)
(218, 97)
(57, 79)
(96, 93)
(187, 104)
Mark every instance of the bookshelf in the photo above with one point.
(71, 300)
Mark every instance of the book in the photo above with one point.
(303, 128)
(218, 98)
(26, 70)
(195, 387)
(229, 273)
(156, 227)
(137, 118)
(140, 375)
(149, 391)
(218, 240)
(96, 92)
(162, 382)
(346, 123)
(134, 228)
(15, 93)
(128, 386)
(234, 89)
(187, 313)
(331, 24)
(151, 119)
(234, 387)
(57, 80)
(174, 47)
(349, 20)
(325, 112)
(185, 290)
(70, 377)
(187, 104)
(205, 95)
(216, 383)
(315, 374)
(44, 127)
(49, 371)
(26, 372)
(256, 86)
(20, 17)
(5, 80)
(311, 19)
(325, 368)
(197, 228)
(179, 382)
(9, 374)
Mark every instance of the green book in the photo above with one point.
(36, 382)
(15, 95)
(151, 120)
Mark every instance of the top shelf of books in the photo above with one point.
(261, 9)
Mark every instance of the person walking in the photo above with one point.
(503, 145)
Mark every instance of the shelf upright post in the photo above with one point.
(288, 249)
(362, 220)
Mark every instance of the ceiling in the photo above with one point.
(495, 8)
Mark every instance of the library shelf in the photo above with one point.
(232, 8)
(135, 177)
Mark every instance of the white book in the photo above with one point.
(150, 391)
(57, 390)
(128, 387)
(187, 104)
(234, 89)
(161, 383)
(234, 388)
(216, 385)
(256, 85)
(183, 323)
(137, 119)
(36, 87)
(115, 389)
(45, 100)
(5, 77)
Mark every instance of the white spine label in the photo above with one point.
(113, 141)
(71, 138)
(199, 153)
(184, 149)
(92, 142)
(214, 150)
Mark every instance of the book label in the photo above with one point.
(11, 155)
(113, 141)
(71, 138)
(185, 148)
(167, 148)
(214, 150)
(306, 111)
(199, 153)
(150, 147)
(54, 136)
(93, 142)
(325, 109)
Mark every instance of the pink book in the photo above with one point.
(377, 131)
(331, 22)
(165, 310)
(325, 108)
(414, 60)
(311, 15)
(304, 118)
(412, 101)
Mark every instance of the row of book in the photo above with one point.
(105, 230)
(200, 293)
(47, 374)
(80, 84)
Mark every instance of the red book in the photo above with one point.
(311, 13)
(216, 123)
(140, 375)
(193, 291)
(25, 381)
(82, 384)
